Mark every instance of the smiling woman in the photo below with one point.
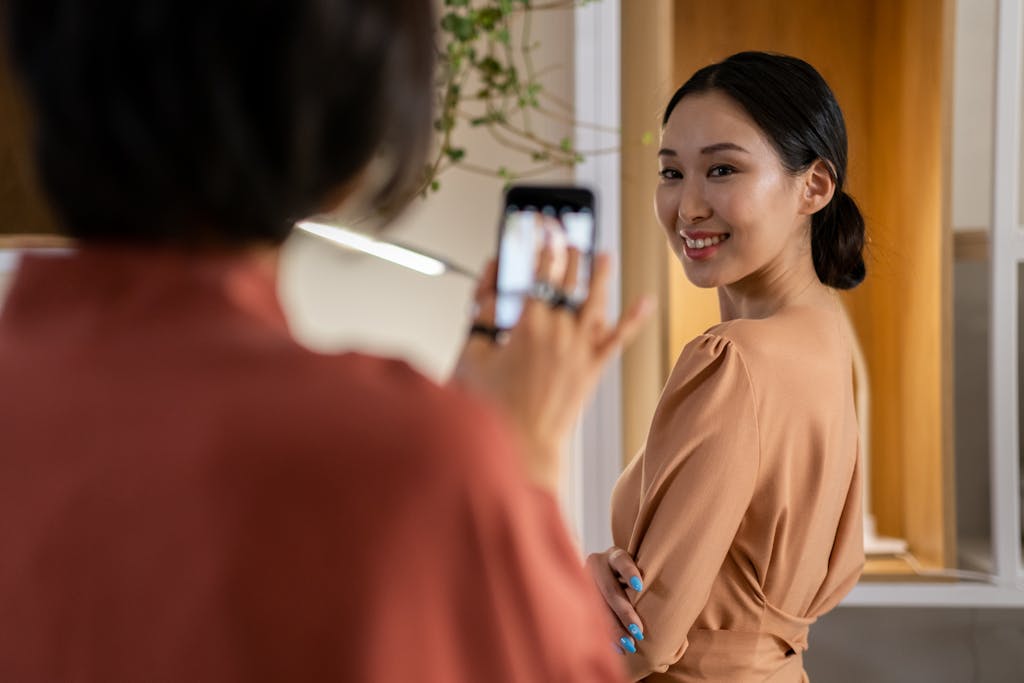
(741, 516)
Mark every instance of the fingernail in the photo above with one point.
(635, 630)
(627, 644)
(636, 583)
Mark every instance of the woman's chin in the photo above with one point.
(705, 278)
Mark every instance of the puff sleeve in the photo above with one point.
(698, 473)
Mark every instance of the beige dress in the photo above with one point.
(743, 510)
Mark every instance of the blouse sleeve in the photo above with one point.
(699, 470)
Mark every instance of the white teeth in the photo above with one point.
(704, 242)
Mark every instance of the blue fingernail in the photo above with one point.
(635, 630)
(627, 644)
(636, 583)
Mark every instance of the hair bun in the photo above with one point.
(837, 243)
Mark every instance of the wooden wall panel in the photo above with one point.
(887, 61)
(905, 312)
(648, 81)
(22, 208)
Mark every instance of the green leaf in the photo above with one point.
(456, 154)
(647, 139)
(565, 144)
(489, 66)
(456, 3)
(465, 29)
(459, 26)
(488, 18)
(448, 22)
(435, 185)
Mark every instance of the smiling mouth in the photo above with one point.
(704, 242)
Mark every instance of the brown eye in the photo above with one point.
(670, 174)
(721, 171)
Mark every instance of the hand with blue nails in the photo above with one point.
(619, 580)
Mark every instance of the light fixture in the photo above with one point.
(392, 252)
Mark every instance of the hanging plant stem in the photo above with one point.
(487, 79)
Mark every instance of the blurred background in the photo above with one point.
(932, 94)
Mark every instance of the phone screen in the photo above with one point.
(530, 221)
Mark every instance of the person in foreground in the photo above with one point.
(186, 494)
(739, 523)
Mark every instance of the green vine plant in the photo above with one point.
(488, 80)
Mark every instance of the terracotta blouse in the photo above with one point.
(186, 494)
(743, 510)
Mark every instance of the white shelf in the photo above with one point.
(912, 594)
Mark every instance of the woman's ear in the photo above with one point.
(817, 188)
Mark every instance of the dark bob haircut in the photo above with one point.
(207, 121)
(793, 105)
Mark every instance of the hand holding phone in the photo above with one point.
(544, 368)
(534, 217)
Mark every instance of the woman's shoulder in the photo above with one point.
(782, 352)
(796, 332)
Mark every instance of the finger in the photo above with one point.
(484, 306)
(488, 280)
(485, 296)
(627, 615)
(556, 238)
(627, 329)
(615, 630)
(532, 307)
(629, 574)
(615, 596)
(572, 271)
(545, 264)
(595, 306)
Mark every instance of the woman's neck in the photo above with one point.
(774, 288)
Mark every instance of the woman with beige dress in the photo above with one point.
(739, 523)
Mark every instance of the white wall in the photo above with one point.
(973, 113)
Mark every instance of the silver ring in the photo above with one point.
(544, 291)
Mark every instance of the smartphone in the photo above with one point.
(535, 215)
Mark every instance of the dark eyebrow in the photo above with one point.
(723, 147)
(710, 149)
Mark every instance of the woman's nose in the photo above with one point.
(693, 206)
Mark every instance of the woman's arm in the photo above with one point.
(699, 471)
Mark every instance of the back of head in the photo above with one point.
(208, 121)
(793, 105)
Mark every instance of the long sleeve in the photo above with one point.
(698, 474)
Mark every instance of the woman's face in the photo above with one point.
(729, 208)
